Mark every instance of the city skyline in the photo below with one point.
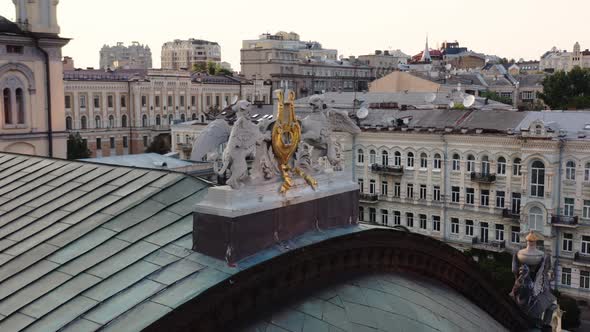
(386, 27)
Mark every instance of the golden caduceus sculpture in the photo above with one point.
(286, 135)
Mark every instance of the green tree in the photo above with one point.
(224, 71)
(567, 90)
(212, 68)
(492, 95)
(77, 147)
(199, 67)
(159, 145)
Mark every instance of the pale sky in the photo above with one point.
(508, 28)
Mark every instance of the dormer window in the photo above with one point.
(538, 130)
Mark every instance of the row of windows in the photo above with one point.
(112, 140)
(566, 277)
(111, 121)
(97, 100)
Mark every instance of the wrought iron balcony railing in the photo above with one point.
(564, 220)
(508, 213)
(368, 198)
(483, 177)
(392, 170)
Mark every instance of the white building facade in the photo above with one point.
(555, 59)
(183, 54)
(134, 56)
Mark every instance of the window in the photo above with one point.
(7, 100)
(515, 203)
(566, 276)
(182, 118)
(423, 160)
(68, 101)
(82, 101)
(361, 183)
(110, 101)
(587, 172)
(193, 100)
(586, 244)
(485, 165)
(536, 218)
(456, 162)
(410, 219)
(182, 101)
(485, 197)
(83, 123)
(585, 279)
(499, 232)
(384, 158)
(469, 196)
(372, 187)
(157, 101)
(20, 106)
(515, 236)
(124, 121)
(145, 141)
(372, 215)
(437, 161)
(422, 191)
(112, 142)
(501, 167)
(372, 157)
(125, 142)
(567, 242)
(410, 160)
(436, 223)
(158, 120)
(96, 101)
(144, 121)
(397, 158)
(570, 170)
(397, 218)
(97, 122)
(422, 221)
(586, 209)
(111, 121)
(384, 217)
(455, 194)
(361, 213)
(397, 189)
(170, 101)
(360, 158)
(14, 49)
(500, 196)
(538, 179)
(484, 232)
(516, 167)
(123, 101)
(384, 188)
(470, 163)
(194, 116)
(455, 226)
(68, 122)
(469, 227)
(538, 129)
(436, 193)
(568, 208)
(98, 144)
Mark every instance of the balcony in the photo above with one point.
(483, 177)
(564, 221)
(368, 198)
(509, 214)
(495, 245)
(581, 259)
(390, 170)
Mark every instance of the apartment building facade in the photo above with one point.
(183, 54)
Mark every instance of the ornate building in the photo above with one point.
(134, 56)
(555, 59)
(122, 111)
(31, 86)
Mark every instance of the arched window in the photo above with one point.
(194, 116)
(501, 167)
(360, 158)
(437, 161)
(111, 121)
(536, 218)
(158, 120)
(587, 172)
(124, 121)
(182, 118)
(456, 162)
(410, 159)
(485, 165)
(144, 121)
(384, 158)
(170, 119)
(7, 104)
(68, 123)
(372, 157)
(516, 167)
(83, 123)
(97, 122)
(397, 158)
(570, 170)
(538, 129)
(470, 163)
(20, 106)
(423, 160)
(538, 179)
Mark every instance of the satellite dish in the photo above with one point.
(468, 101)
(451, 104)
(234, 100)
(448, 66)
(429, 98)
(362, 113)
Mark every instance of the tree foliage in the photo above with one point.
(567, 90)
(211, 68)
(159, 145)
(77, 147)
(492, 95)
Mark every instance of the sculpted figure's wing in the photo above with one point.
(539, 284)
(340, 121)
(216, 133)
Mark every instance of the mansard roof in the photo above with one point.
(7, 26)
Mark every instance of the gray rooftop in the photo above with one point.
(143, 160)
